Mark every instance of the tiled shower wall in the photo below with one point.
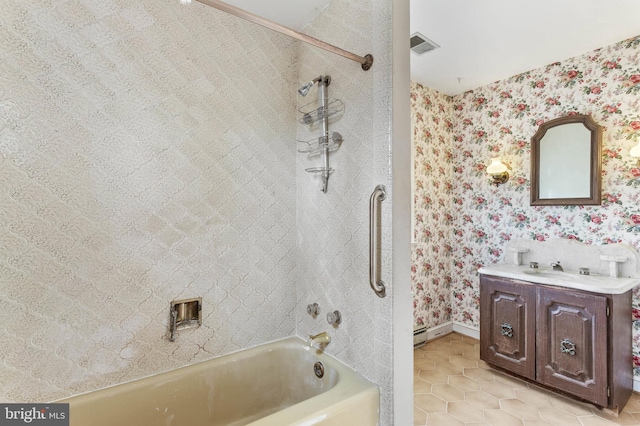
(333, 228)
(146, 153)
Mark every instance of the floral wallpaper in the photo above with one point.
(431, 115)
(499, 120)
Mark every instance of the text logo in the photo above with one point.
(34, 414)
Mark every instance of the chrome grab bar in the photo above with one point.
(378, 195)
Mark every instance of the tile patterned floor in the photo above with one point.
(453, 387)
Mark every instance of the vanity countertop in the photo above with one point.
(594, 283)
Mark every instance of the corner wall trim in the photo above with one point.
(439, 330)
(454, 326)
(461, 328)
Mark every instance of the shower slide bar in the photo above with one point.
(378, 195)
(366, 61)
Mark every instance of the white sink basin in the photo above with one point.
(564, 278)
(569, 279)
(546, 273)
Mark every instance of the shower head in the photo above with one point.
(305, 88)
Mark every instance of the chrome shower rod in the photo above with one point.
(366, 61)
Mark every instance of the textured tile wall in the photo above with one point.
(333, 228)
(146, 153)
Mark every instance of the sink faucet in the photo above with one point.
(321, 339)
(557, 267)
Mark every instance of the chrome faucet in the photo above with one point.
(557, 267)
(321, 339)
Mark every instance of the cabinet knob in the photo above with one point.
(568, 347)
(507, 330)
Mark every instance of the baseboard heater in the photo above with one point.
(419, 337)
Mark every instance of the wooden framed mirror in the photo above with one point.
(566, 162)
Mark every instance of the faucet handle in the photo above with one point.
(313, 309)
(334, 318)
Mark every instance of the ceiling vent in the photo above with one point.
(421, 45)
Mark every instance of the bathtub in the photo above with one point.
(270, 385)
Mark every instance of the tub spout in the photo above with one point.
(321, 339)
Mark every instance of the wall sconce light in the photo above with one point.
(635, 152)
(498, 171)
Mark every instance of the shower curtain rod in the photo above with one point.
(366, 61)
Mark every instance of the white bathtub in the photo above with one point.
(273, 384)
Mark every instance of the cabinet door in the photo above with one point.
(507, 325)
(572, 343)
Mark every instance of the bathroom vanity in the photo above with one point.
(563, 330)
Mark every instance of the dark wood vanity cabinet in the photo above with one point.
(507, 325)
(573, 341)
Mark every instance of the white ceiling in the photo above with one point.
(483, 41)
